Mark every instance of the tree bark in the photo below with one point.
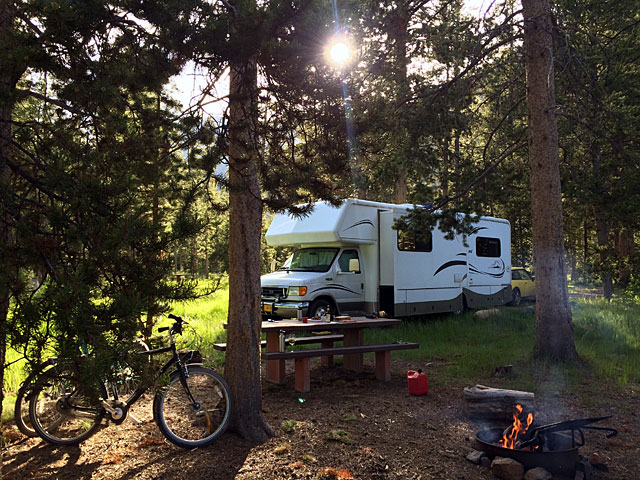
(242, 366)
(554, 326)
(206, 253)
(624, 247)
(401, 22)
(10, 73)
(602, 228)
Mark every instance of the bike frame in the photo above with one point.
(120, 412)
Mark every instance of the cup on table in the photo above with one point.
(305, 319)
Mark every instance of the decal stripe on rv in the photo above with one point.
(452, 263)
(335, 287)
(361, 222)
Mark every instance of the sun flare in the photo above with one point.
(340, 53)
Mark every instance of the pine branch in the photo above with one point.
(55, 101)
(465, 191)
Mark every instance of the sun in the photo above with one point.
(339, 52)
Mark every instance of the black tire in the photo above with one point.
(64, 410)
(459, 311)
(516, 297)
(318, 307)
(190, 426)
(21, 408)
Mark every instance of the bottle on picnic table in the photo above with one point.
(329, 314)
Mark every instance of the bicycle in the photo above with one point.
(192, 410)
(23, 397)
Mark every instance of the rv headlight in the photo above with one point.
(298, 291)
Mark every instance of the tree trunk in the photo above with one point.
(554, 326)
(624, 247)
(602, 229)
(401, 22)
(401, 187)
(602, 233)
(194, 259)
(242, 367)
(10, 72)
(206, 253)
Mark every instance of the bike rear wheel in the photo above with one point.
(64, 410)
(21, 410)
(188, 424)
(21, 407)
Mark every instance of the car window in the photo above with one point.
(515, 275)
(526, 275)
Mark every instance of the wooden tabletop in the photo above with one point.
(355, 322)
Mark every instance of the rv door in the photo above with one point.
(349, 281)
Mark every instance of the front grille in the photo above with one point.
(274, 292)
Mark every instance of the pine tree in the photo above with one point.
(554, 326)
(86, 129)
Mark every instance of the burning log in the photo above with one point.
(483, 402)
(513, 435)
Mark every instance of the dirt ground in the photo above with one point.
(348, 426)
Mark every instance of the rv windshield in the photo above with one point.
(310, 260)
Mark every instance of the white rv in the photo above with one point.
(351, 259)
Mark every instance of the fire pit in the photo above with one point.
(553, 447)
(559, 457)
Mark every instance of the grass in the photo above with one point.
(607, 336)
(465, 350)
(13, 377)
(205, 317)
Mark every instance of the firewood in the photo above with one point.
(489, 403)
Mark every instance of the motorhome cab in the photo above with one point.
(351, 259)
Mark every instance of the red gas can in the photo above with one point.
(418, 383)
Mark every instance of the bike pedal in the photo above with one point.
(134, 419)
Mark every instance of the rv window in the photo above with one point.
(487, 247)
(343, 261)
(414, 241)
(313, 259)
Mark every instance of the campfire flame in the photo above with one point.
(518, 428)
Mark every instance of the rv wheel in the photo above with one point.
(462, 308)
(319, 307)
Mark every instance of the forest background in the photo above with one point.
(111, 190)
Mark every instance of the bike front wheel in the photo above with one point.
(64, 410)
(194, 414)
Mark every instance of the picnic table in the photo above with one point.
(353, 347)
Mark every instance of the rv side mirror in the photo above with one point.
(273, 265)
(354, 265)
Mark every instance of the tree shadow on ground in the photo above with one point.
(143, 455)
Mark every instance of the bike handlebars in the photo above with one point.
(176, 327)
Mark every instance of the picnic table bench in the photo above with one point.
(302, 359)
(353, 348)
(323, 340)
